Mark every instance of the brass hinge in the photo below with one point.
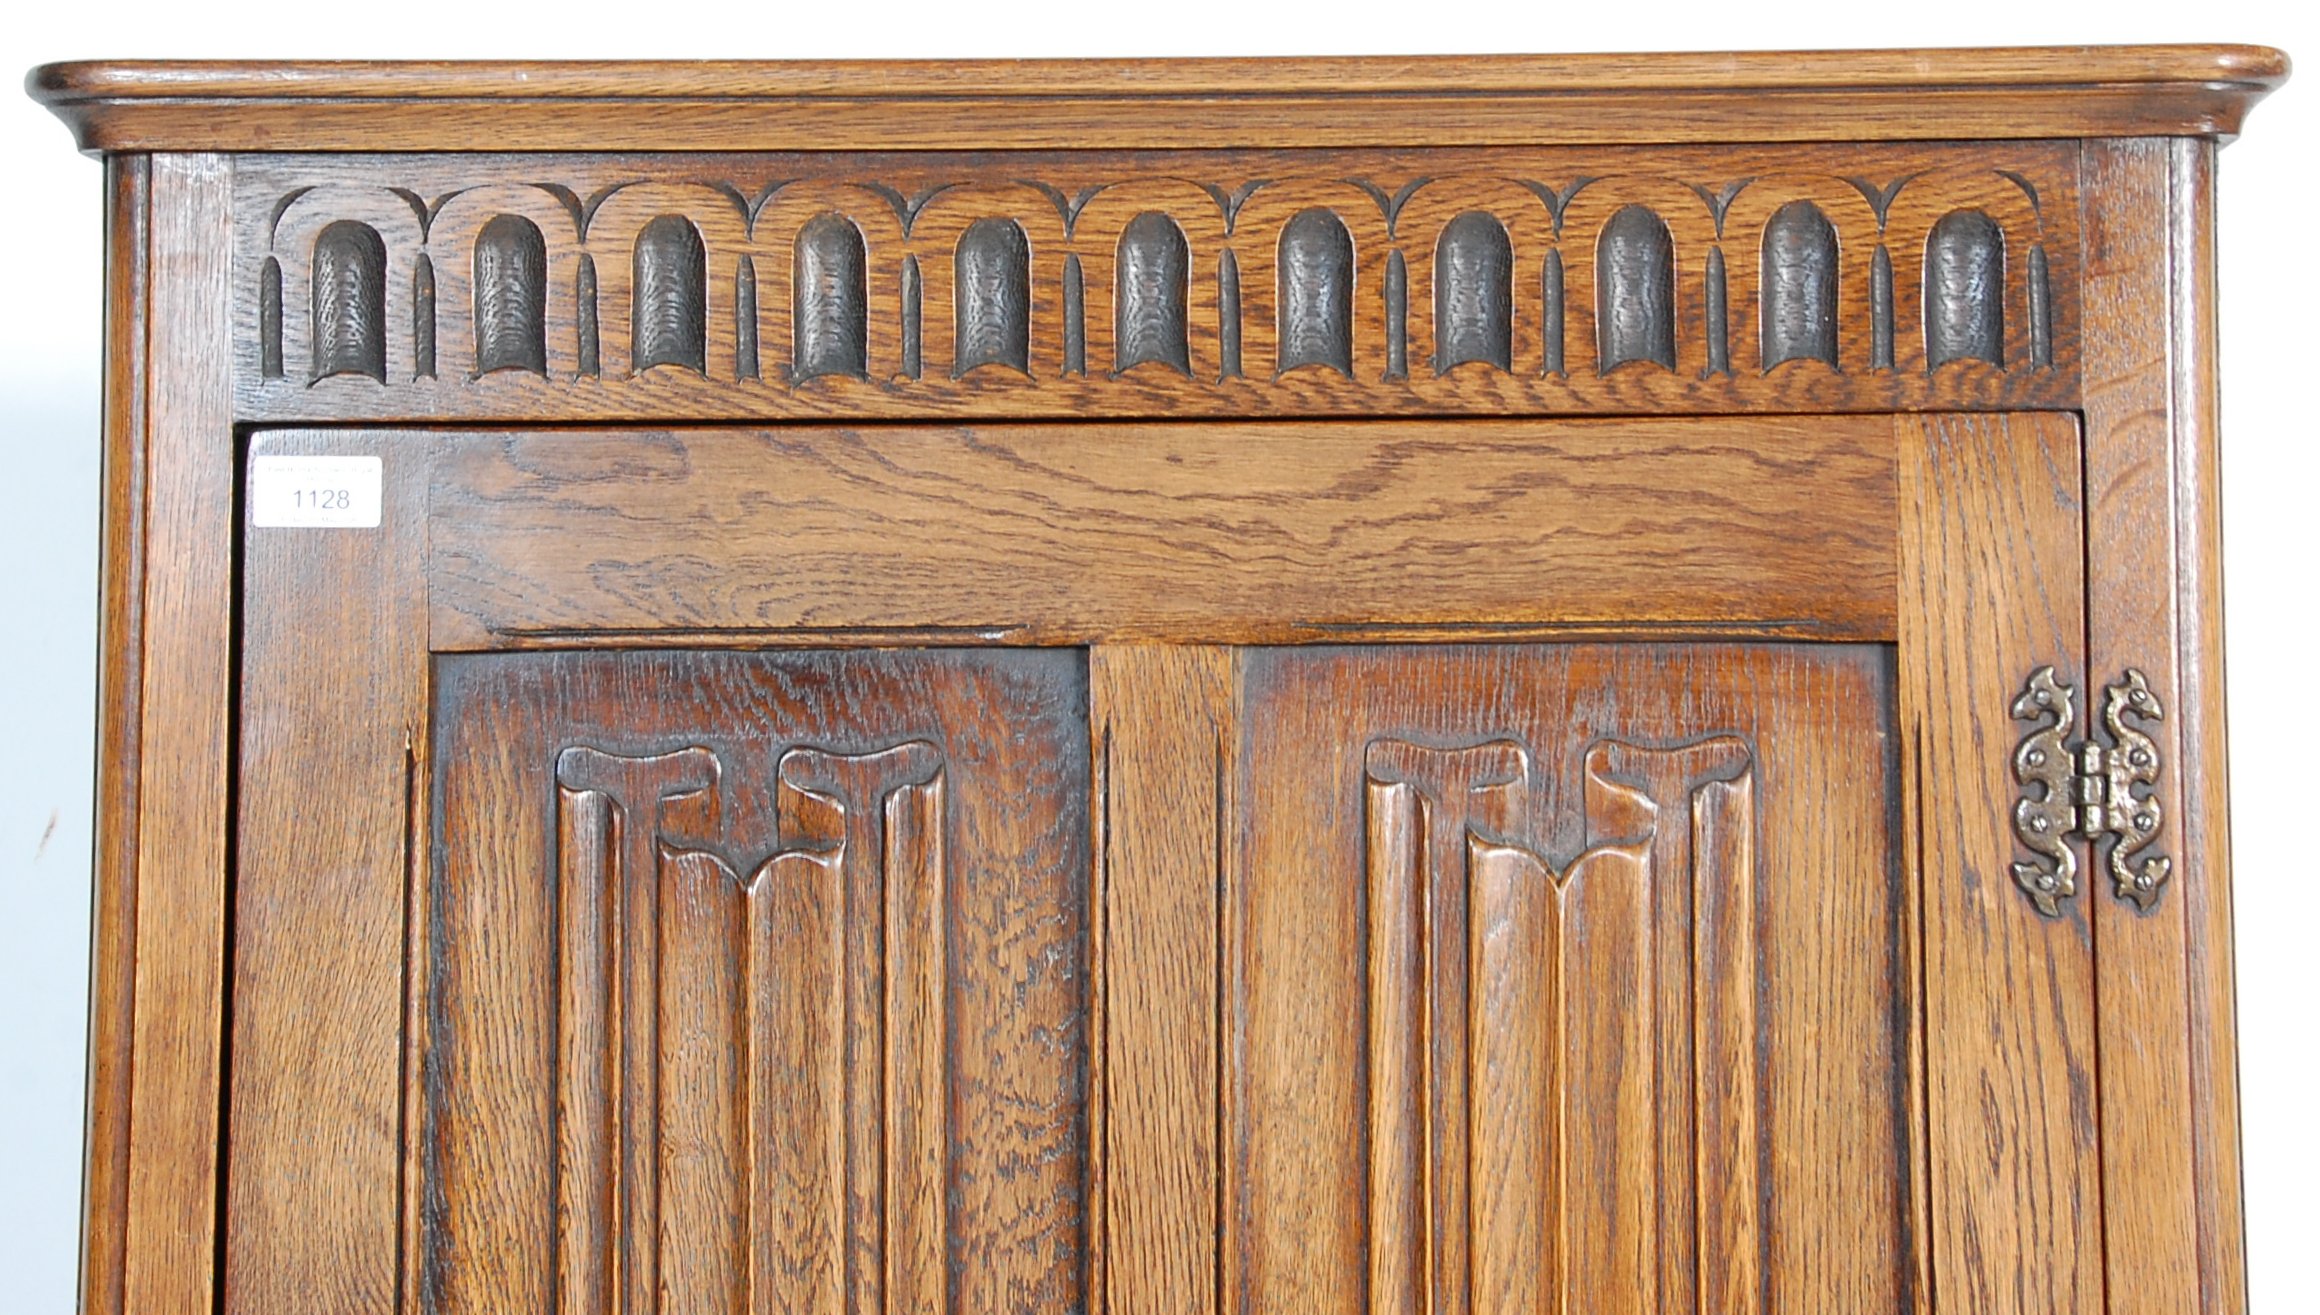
(2090, 791)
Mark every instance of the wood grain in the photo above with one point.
(914, 212)
(321, 922)
(2133, 621)
(1992, 560)
(176, 1030)
(1042, 535)
(832, 1045)
(1654, 789)
(1016, 105)
(120, 687)
(1163, 723)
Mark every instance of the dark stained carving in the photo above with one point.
(1397, 295)
(1635, 290)
(1149, 320)
(423, 317)
(831, 300)
(1315, 324)
(1074, 318)
(671, 320)
(1881, 309)
(1551, 314)
(1965, 282)
(913, 307)
(1718, 317)
(270, 319)
(511, 296)
(992, 297)
(2041, 312)
(745, 362)
(1228, 316)
(350, 301)
(584, 290)
(1799, 286)
(1473, 293)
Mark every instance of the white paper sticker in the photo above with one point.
(315, 492)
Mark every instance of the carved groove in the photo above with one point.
(423, 317)
(350, 301)
(1800, 286)
(670, 324)
(584, 292)
(745, 363)
(992, 297)
(1228, 315)
(1965, 272)
(270, 319)
(2041, 312)
(831, 311)
(1473, 293)
(1397, 295)
(913, 297)
(511, 296)
(1149, 318)
(1635, 290)
(1315, 272)
(1551, 314)
(1881, 309)
(1718, 318)
(1074, 318)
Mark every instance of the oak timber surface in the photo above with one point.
(1440, 101)
(1045, 534)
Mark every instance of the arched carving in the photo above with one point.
(1635, 290)
(350, 301)
(1800, 286)
(1965, 286)
(671, 321)
(1473, 293)
(993, 297)
(1316, 293)
(511, 296)
(1149, 321)
(831, 300)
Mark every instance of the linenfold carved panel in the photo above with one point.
(1258, 283)
(757, 981)
(839, 941)
(1553, 973)
(1492, 1187)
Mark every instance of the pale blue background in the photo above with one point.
(49, 344)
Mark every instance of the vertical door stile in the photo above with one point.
(1991, 589)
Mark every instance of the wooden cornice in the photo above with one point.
(1500, 100)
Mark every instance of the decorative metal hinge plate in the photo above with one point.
(2090, 791)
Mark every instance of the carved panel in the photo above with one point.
(1800, 286)
(1473, 293)
(1316, 293)
(671, 319)
(993, 299)
(1151, 322)
(350, 301)
(1965, 276)
(511, 296)
(832, 332)
(1233, 270)
(1555, 974)
(757, 982)
(1635, 290)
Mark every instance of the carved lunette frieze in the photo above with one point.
(1542, 1042)
(1343, 282)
